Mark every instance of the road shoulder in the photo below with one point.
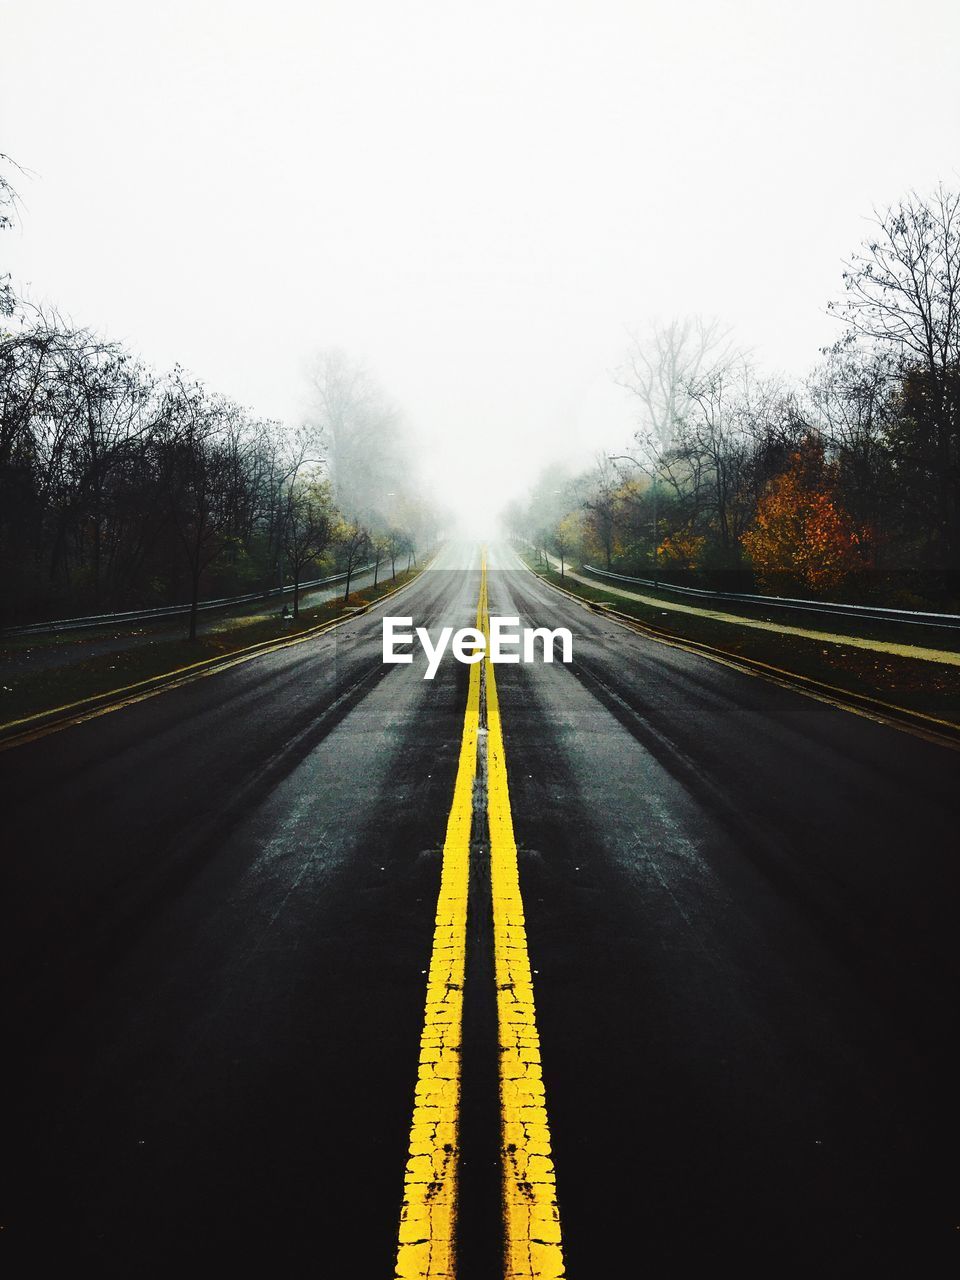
(921, 697)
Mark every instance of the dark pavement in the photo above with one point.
(218, 910)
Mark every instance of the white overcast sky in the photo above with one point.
(473, 199)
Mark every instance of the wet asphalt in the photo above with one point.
(217, 911)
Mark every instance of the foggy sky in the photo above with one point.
(473, 199)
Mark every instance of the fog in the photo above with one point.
(475, 202)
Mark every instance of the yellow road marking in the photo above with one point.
(427, 1237)
(531, 1216)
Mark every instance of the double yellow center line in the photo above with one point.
(427, 1237)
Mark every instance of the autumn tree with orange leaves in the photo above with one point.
(681, 549)
(802, 533)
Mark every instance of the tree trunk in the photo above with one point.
(346, 589)
(296, 594)
(194, 601)
(97, 557)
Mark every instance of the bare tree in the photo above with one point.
(354, 540)
(903, 294)
(665, 369)
(8, 207)
(32, 432)
(290, 454)
(850, 403)
(108, 404)
(601, 507)
(363, 435)
(659, 369)
(563, 538)
(307, 527)
(904, 286)
(396, 545)
(379, 548)
(200, 477)
(716, 442)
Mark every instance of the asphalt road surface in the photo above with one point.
(741, 912)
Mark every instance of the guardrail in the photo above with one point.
(93, 621)
(868, 613)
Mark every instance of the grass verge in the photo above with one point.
(928, 688)
(25, 692)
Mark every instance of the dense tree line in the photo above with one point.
(846, 485)
(123, 488)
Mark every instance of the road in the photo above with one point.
(218, 918)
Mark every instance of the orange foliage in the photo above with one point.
(802, 530)
(680, 549)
